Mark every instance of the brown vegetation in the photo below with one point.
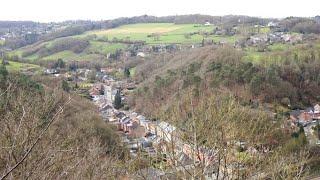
(53, 135)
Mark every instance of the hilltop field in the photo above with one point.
(157, 33)
(100, 45)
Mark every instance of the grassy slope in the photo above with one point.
(94, 50)
(70, 56)
(103, 47)
(17, 66)
(1, 42)
(277, 52)
(169, 34)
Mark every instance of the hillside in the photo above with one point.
(125, 41)
(176, 97)
(287, 79)
(98, 45)
(215, 94)
(22, 67)
(126, 37)
(48, 133)
(156, 33)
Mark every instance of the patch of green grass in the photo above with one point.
(32, 57)
(265, 30)
(175, 38)
(132, 71)
(264, 58)
(104, 48)
(243, 157)
(168, 32)
(70, 56)
(318, 44)
(62, 55)
(254, 57)
(17, 52)
(278, 47)
(228, 39)
(17, 66)
(96, 50)
(2, 42)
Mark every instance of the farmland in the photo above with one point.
(95, 50)
(17, 66)
(279, 53)
(230, 97)
(103, 42)
(99, 44)
(167, 33)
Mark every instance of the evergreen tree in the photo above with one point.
(117, 101)
(3, 74)
(60, 64)
(127, 72)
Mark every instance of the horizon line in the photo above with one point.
(113, 18)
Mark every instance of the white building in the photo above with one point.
(141, 54)
(165, 131)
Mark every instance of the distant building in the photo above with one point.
(166, 131)
(305, 117)
(141, 54)
(51, 71)
(272, 24)
(207, 23)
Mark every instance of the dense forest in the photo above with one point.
(293, 82)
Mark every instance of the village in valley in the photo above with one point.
(145, 136)
(160, 141)
(238, 92)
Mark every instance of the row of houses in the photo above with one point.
(152, 137)
(163, 137)
(306, 116)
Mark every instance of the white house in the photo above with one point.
(272, 24)
(141, 54)
(317, 108)
(165, 131)
(207, 23)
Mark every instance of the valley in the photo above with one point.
(177, 97)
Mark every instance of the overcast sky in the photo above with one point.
(60, 10)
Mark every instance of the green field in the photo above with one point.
(133, 71)
(95, 50)
(1, 42)
(167, 32)
(279, 52)
(70, 56)
(103, 48)
(17, 66)
(100, 42)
